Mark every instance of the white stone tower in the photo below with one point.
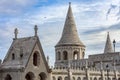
(69, 46)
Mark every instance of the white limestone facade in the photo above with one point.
(25, 59)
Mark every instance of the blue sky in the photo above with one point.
(94, 18)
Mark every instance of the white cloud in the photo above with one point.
(50, 20)
(14, 7)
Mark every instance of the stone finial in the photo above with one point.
(48, 60)
(114, 42)
(35, 28)
(16, 33)
(69, 3)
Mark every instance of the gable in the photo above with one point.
(21, 48)
(37, 59)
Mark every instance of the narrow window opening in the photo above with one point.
(75, 55)
(65, 55)
(21, 55)
(83, 54)
(8, 77)
(13, 56)
(35, 59)
(59, 55)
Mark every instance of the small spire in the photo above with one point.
(35, 28)
(69, 3)
(16, 33)
(108, 46)
(114, 42)
(48, 60)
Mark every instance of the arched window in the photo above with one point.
(21, 56)
(66, 78)
(8, 77)
(29, 76)
(83, 54)
(59, 78)
(36, 59)
(100, 78)
(90, 78)
(13, 56)
(54, 78)
(73, 78)
(95, 78)
(109, 78)
(65, 55)
(75, 55)
(105, 78)
(84, 78)
(78, 78)
(42, 76)
(59, 56)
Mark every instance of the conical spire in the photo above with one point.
(70, 35)
(108, 45)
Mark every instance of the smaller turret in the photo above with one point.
(108, 45)
(69, 47)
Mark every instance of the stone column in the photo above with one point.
(102, 71)
(86, 70)
(115, 74)
(69, 72)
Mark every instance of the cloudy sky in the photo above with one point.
(94, 18)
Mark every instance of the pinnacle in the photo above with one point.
(108, 45)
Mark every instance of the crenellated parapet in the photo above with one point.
(74, 63)
(82, 73)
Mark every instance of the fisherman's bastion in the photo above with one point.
(25, 59)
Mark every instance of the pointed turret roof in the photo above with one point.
(70, 35)
(108, 45)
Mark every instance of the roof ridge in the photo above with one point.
(25, 37)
